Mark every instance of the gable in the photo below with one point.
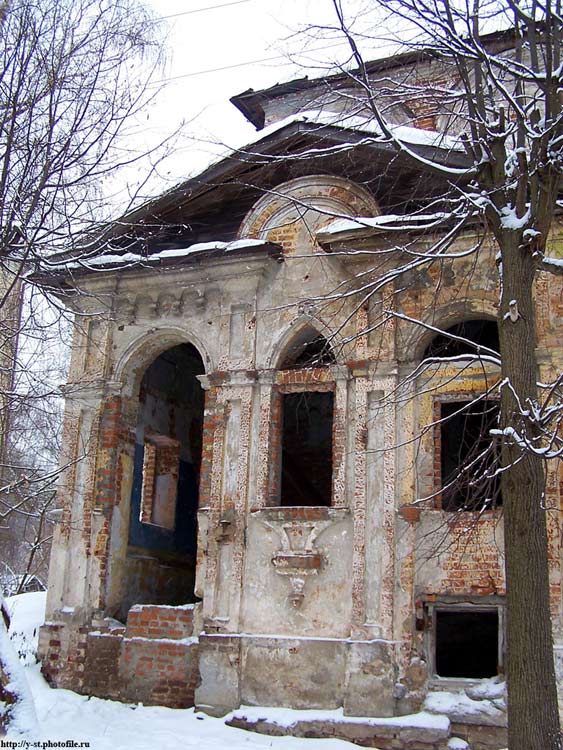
(210, 209)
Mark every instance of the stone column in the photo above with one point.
(371, 661)
(373, 505)
(80, 550)
(228, 501)
(219, 689)
(86, 493)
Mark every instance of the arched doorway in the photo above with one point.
(161, 549)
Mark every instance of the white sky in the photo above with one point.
(218, 48)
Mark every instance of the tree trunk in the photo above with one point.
(533, 716)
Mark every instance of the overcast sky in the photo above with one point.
(218, 48)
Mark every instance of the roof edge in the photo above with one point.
(250, 102)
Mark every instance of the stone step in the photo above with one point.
(421, 731)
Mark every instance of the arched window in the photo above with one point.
(308, 349)
(479, 332)
(305, 416)
(464, 450)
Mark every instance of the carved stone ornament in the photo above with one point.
(171, 303)
(297, 529)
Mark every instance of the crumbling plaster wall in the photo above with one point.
(337, 585)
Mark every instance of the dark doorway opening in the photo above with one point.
(161, 553)
(466, 643)
(306, 476)
(468, 459)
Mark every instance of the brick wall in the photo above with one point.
(472, 564)
(153, 660)
(149, 475)
(62, 650)
(153, 621)
(275, 457)
(102, 665)
(159, 659)
(158, 671)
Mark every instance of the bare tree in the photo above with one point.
(31, 452)
(74, 89)
(500, 93)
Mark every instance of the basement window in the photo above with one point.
(467, 642)
(306, 460)
(161, 469)
(467, 456)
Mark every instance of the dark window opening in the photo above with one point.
(467, 643)
(469, 462)
(306, 471)
(159, 485)
(308, 349)
(480, 332)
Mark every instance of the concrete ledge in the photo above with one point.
(423, 731)
(419, 731)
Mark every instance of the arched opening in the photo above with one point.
(480, 332)
(464, 448)
(306, 418)
(307, 349)
(161, 550)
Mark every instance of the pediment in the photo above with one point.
(215, 206)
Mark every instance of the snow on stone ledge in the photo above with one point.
(288, 717)
(455, 743)
(384, 222)
(555, 262)
(460, 708)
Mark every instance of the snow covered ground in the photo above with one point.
(72, 719)
(108, 725)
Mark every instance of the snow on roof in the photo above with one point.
(346, 121)
(394, 222)
(91, 262)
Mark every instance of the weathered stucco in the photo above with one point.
(300, 606)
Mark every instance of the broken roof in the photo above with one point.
(169, 227)
(251, 103)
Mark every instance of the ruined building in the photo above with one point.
(247, 430)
